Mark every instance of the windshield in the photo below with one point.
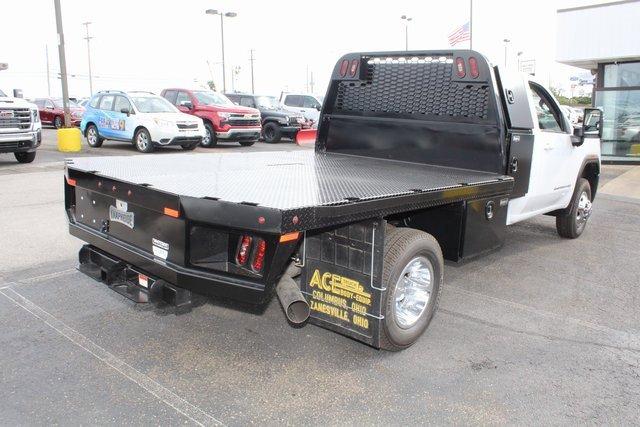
(207, 97)
(58, 103)
(268, 102)
(152, 104)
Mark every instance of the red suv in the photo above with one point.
(52, 112)
(223, 120)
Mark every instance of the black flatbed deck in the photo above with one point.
(318, 188)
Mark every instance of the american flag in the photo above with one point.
(460, 34)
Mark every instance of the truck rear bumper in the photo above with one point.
(20, 141)
(201, 282)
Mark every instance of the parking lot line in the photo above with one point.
(182, 406)
(623, 340)
(47, 276)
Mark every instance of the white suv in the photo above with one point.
(307, 105)
(145, 119)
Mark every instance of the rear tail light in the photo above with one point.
(243, 250)
(353, 68)
(473, 67)
(344, 67)
(258, 257)
(460, 69)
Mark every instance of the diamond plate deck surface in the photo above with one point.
(282, 180)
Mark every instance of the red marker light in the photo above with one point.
(258, 258)
(460, 69)
(344, 67)
(243, 250)
(261, 220)
(353, 68)
(71, 182)
(473, 67)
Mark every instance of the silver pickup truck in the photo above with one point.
(20, 128)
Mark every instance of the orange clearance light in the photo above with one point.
(289, 237)
(172, 212)
(71, 182)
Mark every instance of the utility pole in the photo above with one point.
(63, 64)
(46, 51)
(87, 38)
(253, 88)
(311, 83)
(306, 74)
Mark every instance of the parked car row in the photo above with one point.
(182, 117)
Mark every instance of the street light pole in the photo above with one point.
(406, 30)
(87, 38)
(506, 42)
(222, 15)
(63, 64)
(253, 89)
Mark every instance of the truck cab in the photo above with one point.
(223, 120)
(20, 128)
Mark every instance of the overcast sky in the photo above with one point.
(149, 45)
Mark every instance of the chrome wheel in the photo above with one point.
(92, 136)
(413, 290)
(584, 209)
(142, 141)
(207, 137)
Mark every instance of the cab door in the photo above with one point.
(104, 112)
(552, 179)
(122, 118)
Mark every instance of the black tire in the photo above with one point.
(139, 139)
(189, 147)
(271, 133)
(58, 122)
(247, 143)
(403, 246)
(93, 137)
(25, 157)
(571, 223)
(210, 139)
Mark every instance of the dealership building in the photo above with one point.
(605, 39)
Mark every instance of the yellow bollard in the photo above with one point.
(634, 149)
(69, 140)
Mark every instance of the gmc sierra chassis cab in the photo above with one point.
(420, 157)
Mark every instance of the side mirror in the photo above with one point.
(125, 111)
(187, 104)
(318, 107)
(592, 123)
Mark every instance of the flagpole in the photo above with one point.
(471, 24)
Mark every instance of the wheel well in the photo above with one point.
(591, 172)
(135, 131)
(86, 127)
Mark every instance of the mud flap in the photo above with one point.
(341, 279)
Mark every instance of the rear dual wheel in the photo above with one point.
(412, 273)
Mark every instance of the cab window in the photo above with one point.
(549, 116)
(48, 104)
(39, 102)
(309, 102)
(94, 102)
(246, 101)
(106, 102)
(122, 102)
(293, 101)
(182, 98)
(171, 96)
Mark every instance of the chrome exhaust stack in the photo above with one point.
(293, 302)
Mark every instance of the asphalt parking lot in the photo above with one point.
(544, 331)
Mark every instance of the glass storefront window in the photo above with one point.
(622, 75)
(621, 131)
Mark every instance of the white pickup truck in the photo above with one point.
(20, 128)
(420, 157)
